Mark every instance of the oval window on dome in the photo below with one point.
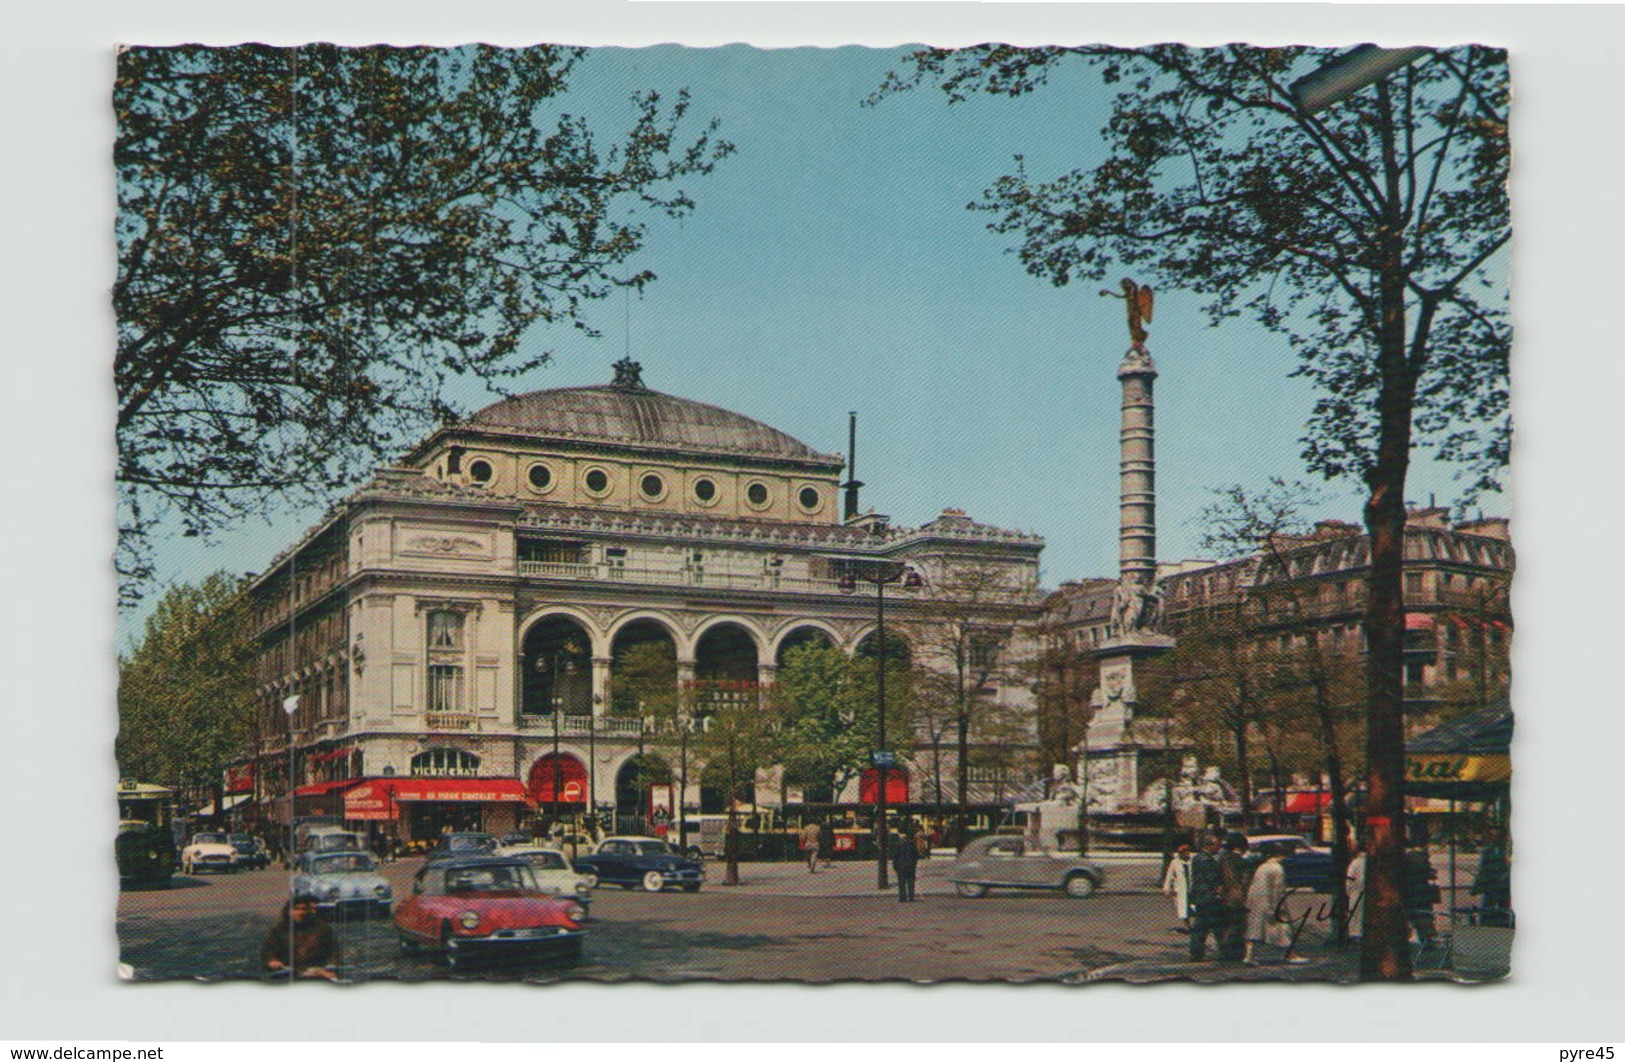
(756, 494)
(597, 481)
(705, 490)
(541, 477)
(480, 471)
(652, 486)
(809, 499)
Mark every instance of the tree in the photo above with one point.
(1270, 524)
(1064, 674)
(313, 241)
(739, 735)
(827, 704)
(1366, 235)
(966, 624)
(185, 697)
(645, 687)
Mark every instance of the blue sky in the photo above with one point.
(831, 265)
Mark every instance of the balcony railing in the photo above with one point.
(765, 580)
(450, 721)
(580, 725)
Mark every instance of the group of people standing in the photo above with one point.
(909, 845)
(1220, 892)
(1238, 898)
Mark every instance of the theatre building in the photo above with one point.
(444, 648)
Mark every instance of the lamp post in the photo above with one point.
(290, 705)
(879, 573)
(556, 665)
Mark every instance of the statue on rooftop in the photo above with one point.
(628, 373)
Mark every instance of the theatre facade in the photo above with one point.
(451, 645)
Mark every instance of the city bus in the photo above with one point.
(145, 845)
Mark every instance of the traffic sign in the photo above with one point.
(883, 758)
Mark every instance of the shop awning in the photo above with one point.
(896, 785)
(1305, 802)
(322, 788)
(572, 777)
(1466, 759)
(231, 802)
(380, 798)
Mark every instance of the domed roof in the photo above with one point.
(632, 414)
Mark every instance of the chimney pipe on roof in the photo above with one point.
(851, 485)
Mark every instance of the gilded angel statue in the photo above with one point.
(1138, 300)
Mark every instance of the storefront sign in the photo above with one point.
(1492, 767)
(240, 779)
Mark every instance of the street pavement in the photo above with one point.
(778, 923)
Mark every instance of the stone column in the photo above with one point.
(1137, 475)
(600, 685)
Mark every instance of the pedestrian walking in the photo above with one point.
(1235, 874)
(1492, 883)
(1176, 883)
(301, 944)
(826, 843)
(1205, 906)
(905, 858)
(1354, 891)
(1267, 922)
(809, 846)
(1420, 894)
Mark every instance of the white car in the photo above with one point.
(343, 883)
(554, 874)
(208, 851)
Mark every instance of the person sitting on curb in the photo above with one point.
(301, 944)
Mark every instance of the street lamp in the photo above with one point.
(1355, 69)
(878, 573)
(560, 662)
(290, 706)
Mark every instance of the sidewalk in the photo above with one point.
(1478, 954)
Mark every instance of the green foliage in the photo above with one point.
(645, 681)
(313, 241)
(827, 710)
(186, 696)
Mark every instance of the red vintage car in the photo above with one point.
(487, 907)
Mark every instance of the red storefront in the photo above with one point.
(427, 806)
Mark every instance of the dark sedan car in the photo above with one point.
(251, 851)
(1306, 866)
(463, 844)
(646, 861)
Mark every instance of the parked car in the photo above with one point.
(208, 851)
(646, 861)
(1005, 862)
(476, 907)
(554, 873)
(1307, 865)
(251, 851)
(454, 845)
(344, 883)
(332, 839)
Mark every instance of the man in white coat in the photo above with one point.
(1177, 883)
